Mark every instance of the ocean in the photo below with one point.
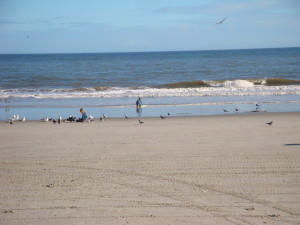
(184, 83)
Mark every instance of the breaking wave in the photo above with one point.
(183, 89)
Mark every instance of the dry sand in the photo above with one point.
(231, 169)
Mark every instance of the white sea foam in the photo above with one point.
(238, 84)
(236, 88)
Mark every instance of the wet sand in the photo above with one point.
(231, 169)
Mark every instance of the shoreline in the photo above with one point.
(166, 116)
(149, 110)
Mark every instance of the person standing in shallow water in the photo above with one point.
(139, 103)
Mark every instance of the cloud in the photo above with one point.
(235, 6)
(10, 22)
(181, 10)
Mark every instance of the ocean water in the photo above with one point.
(184, 83)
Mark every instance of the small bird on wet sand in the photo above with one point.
(54, 121)
(270, 123)
(237, 109)
(104, 116)
(71, 119)
(101, 119)
(169, 114)
(46, 119)
(10, 122)
(141, 122)
(127, 117)
(225, 110)
(162, 117)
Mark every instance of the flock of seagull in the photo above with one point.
(104, 117)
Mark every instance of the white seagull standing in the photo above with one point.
(46, 119)
(23, 119)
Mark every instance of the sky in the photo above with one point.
(91, 26)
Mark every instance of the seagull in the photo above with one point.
(59, 119)
(10, 122)
(23, 119)
(91, 118)
(71, 118)
(162, 117)
(104, 116)
(270, 123)
(221, 21)
(237, 109)
(14, 117)
(54, 121)
(225, 110)
(101, 119)
(17, 117)
(169, 114)
(141, 122)
(127, 117)
(46, 119)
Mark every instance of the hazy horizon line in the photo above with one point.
(157, 51)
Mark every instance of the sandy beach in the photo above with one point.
(229, 169)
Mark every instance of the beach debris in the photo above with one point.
(141, 122)
(274, 215)
(49, 185)
(270, 123)
(162, 117)
(8, 211)
(250, 209)
(127, 117)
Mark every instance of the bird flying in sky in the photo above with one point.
(221, 21)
